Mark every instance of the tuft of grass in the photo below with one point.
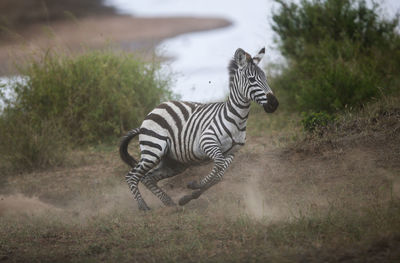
(27, 145)
(315, 120)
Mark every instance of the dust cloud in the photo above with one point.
(20, 204)
(264, 184)
(255, 203)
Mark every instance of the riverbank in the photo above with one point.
(121, 32)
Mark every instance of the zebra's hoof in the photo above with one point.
(185, 199)
(170, 204)
(193, 185)
(144, 208)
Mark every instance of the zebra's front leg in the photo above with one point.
(220, 165)
(194, 185)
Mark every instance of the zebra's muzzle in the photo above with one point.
(272, 103)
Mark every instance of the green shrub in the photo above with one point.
(339, 53)
(93, 96)
(315, 120)
(83, 99)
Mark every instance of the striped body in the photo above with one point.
(184, 126)
(176, 135)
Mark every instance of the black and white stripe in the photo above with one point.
(177, 134)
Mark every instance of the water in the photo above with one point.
(6, 82)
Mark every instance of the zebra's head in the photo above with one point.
(252, 80)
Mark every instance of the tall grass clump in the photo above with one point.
(339, 54)
(25, 144)
(76, 100)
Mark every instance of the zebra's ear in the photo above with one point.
(257, 58)
(242, 58)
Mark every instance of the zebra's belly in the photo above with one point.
(196, 158)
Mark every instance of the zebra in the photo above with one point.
(178, 134)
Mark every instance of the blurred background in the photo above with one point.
(317, 181)
(198, 60)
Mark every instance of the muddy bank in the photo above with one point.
(122, 32)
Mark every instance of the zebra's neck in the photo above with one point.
(238, 107)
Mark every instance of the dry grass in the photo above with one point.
(378, 121)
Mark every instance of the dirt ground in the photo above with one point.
(270, 181)
(122, 32)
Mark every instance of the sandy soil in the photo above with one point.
(124, 32)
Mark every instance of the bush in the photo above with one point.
(82, 99)
(316, 120)
(94, 96)
(339, 53)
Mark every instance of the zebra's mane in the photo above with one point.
(232, 67)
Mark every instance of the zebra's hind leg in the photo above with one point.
(166, 169)
(151, 184)
(135, 175)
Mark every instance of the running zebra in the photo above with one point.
(178, 134)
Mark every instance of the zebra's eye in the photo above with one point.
(252, 79)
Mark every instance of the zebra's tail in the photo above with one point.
(123, 147)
